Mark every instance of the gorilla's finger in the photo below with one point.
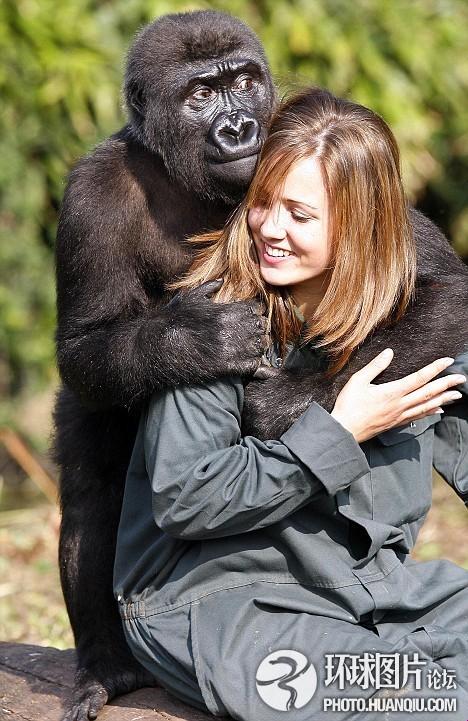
(76, 714)
(257, 344)
(257, 307)
(264, 373)
(262, 324)
(262, 346)
(211, 286)
(97, 702)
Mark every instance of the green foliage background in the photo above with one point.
(60, 77)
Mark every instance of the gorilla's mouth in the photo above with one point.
(233, 170)
(233, 157)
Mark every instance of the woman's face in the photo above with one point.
(291, 237)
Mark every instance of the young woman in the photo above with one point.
(258, 577)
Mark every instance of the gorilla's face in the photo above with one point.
(201, 95)
(228, 105)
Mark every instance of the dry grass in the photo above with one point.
(31, 604)
(445, 531)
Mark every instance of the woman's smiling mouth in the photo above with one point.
(275, 255)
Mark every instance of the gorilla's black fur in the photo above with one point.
(178, 168)
(200, 98)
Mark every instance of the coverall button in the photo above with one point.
(278, 362)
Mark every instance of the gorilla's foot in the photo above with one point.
(93, 690)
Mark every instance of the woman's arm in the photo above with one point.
(208, 481)
(451, 437)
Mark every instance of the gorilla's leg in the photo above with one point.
(91, 488)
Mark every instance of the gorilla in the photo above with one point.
(199, 95)
(200, 98)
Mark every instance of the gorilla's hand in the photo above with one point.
(191, 339)
(90, 695)
(275, 398)
(203, 339)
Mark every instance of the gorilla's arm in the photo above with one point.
(435, 325)
(119, 335)
(436, 256)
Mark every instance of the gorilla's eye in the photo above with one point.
(244, 83)
(203, 93)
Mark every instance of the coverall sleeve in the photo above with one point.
(451, 436)
(208, 481)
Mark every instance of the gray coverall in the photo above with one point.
(230, 549)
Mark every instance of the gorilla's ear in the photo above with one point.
(136, 97)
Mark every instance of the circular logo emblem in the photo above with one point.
(286, 680)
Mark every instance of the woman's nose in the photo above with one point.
(273, 224)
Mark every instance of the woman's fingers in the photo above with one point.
(420, 378)
(365, 408)
(424, 415)
(375, 366)
(433, 389)
(428, 407)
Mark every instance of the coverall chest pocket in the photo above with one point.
(401, 472)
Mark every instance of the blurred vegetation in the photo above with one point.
(60, 77)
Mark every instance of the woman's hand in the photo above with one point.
(365, 409)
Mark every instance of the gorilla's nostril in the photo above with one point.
(235, 126)
(234, 134)
(250, 131)
(231, 130)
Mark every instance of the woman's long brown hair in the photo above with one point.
(373, 254)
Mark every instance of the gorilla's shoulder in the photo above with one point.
(435, 254)
(111, 151)
(112, 171)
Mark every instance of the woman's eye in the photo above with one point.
(300, 218)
